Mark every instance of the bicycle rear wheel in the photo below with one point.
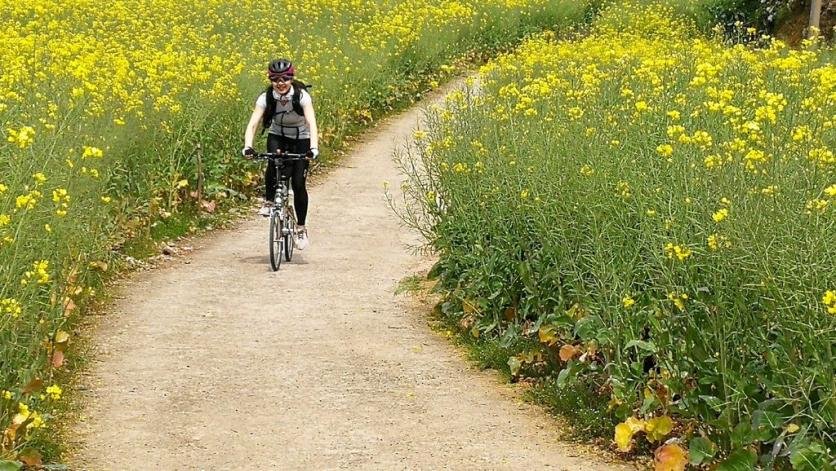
(290, 232)
(275, 240)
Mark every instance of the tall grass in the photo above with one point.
(121, 117)
(657, 210)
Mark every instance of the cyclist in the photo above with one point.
(288, 115)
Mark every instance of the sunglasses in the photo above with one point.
(282, 79)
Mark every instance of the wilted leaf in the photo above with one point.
(636, 425)
(547, 335)
(69, 306)
(623, 437)
(469, 306)
(568, 351)
(792, 428)
(208, 206)
(701, 450)
(510, 313)
(57, 359)
(33, 386)
(30, 457)
(670, 457)
(658, 428)
(99, 265)
(62, 337)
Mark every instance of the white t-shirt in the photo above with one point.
(286, 122)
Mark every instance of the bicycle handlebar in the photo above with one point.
(283, 156)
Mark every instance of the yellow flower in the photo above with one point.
(829, 300)
(7, 395)
(91, 152)
(817, 205)
(11, 307)
(587, 171)
(3, 188)
(665, 150)
(677, 251)
(717, 241)
(23, 137)
(54, 392)
(628, 301)
(39, 177)
(642, 106)
(720, 215)
(678, 300)
(524, 194)
(831, 191)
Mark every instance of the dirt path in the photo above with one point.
(217, 363)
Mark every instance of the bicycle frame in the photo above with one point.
(282, 215)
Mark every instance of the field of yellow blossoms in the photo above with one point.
(648, 215)
(121, 117)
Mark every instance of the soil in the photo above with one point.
(214, 362)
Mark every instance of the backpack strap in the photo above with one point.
(269, 110)
(296, 100)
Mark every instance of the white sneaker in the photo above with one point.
(265, 209)
(301, 240)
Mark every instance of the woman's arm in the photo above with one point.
(252, 126)
(310, 117)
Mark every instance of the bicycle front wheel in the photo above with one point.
(275, 240)
(289, 233)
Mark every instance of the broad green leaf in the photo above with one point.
(514, 364)
(10, 465)
(701, 450)
(809, 457)
(642, 345)
(740, 460)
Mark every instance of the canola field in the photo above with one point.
(120, 118)
(649, 213)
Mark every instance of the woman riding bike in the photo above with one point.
(286, 111)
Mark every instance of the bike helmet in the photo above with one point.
(280, 67)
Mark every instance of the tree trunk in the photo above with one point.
(815, 18)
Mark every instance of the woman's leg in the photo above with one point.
(270, 180)
(299, 176)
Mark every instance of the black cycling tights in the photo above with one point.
(297, 170)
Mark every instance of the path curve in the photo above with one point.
(217, 363)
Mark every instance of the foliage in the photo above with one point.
(123, 119)
(657, 208)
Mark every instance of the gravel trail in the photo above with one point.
(214, 362)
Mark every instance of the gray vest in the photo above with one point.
(286, 122)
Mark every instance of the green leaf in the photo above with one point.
(566, 374)
(514, 364)
(701, 450)
(642, 345)
(589, 327)
(10, 465)
(740, 460)
(809, 457)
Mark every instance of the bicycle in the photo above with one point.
(282, 214)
